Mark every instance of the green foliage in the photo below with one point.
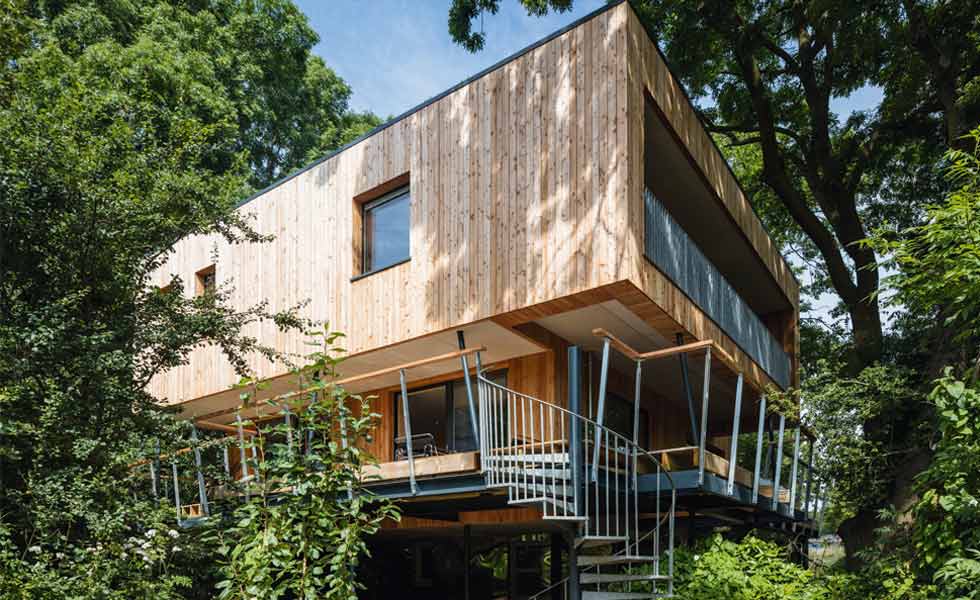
(304, 532)
(462, 13)
(960, 577)
(126, 127)
(750, 569)
(938, 263)
(859, 465)
(247, 62)
(947, 516)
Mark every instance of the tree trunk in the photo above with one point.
(867, 331)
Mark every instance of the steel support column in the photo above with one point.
(601, 411)
(408, 433)
(469, 389)
(636, 403)
(686, 381)
(758, 450)
(704, 414)
(574, 423)
(202, 490)
(809, 478)
(243, 457)
(792, 472)
(733, 452)
(779, 464)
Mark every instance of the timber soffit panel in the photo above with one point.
(776, 267)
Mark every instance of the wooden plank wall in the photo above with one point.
(526, 187)
(516, 182)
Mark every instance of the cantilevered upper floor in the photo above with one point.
(571, 175)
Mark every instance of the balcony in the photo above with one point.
(671, 250)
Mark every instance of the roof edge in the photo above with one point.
(497, 65)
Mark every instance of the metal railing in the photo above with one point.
(799, 488)
(668, 246)
(575, 469)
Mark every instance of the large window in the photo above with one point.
(440, 417)
(386, 230)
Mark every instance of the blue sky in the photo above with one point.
(398, 53)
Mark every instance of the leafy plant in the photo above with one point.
(304, 532)
(947, 516)
(750, 569)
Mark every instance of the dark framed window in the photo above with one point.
(386, 226)
(619, 418)
(440, 417)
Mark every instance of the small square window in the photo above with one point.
(386, 230)
(205, 281)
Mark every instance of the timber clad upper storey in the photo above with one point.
(520, 194)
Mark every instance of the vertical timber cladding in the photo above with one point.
(648, 74)
(516, 182)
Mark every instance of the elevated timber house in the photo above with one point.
(565, 310)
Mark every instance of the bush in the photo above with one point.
(752, 569)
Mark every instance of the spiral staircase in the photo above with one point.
(580, 472)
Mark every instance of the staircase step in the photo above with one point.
(555, 491)
(618, 577)
(541, 457)
(518, 473)
(569, 518)
(600, 540)
(561, 506)
(617, 559)
(617, 595)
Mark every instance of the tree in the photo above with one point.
(288, 107)
(937, 264)
(126, 127)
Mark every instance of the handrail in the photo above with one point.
(716, 352)
(583, 418)
(667, 352)
(352, 379)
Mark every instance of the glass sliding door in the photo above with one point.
(440, 416)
